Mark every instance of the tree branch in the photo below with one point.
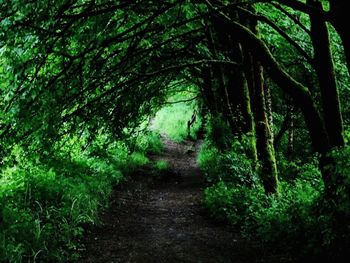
(300, 94)
(180, 101)
(299, 6)
(192, 64)
(264, 19)
(291, 17)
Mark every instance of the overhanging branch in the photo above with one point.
(187, 65)
(264, 19)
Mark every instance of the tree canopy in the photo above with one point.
(91, 67)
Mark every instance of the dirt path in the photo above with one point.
(164, 221)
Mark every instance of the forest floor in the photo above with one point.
(164, 220)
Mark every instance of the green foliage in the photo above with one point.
(208, 161)
(289, 170)
(161, 169)
(65, 68)
(228, 202)
(119, 155)
(44, 202)
(161, 165)
(281, 220)
(149, 142)
(219, 200)
(218, 132)
(171, 120)
(302, 220)
(347, 135)
(334, 212)
(231, 166)
(274, 220)
(136, 159)
(76, 75)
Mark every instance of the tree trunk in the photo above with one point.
(264, 137)
(243, 116)
(285, 124)
(207, 90)
(268, 101)
(264, 142)
(290, 147)
(255, 89)
(218, 79)
(339, 18)
(326, 75)
(299, 93)
(232, 85)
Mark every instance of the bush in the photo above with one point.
(44, 202)
(301, 220)
(283, 220)
(149, 142)
(228, 202)
(161, 169)
(334, 211)
(161, 165)
(218, 133)
(231, 166)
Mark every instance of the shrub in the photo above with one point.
(161, 169)
(44, 202)
(230, 166)
(301, 220)
(149, 142)
(218, 133)
(228, 202)
(161, 165)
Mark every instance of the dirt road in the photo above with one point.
(164, 220)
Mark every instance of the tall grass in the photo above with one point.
(44, 202)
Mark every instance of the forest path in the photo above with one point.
(164, 220)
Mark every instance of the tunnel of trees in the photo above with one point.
(269, 79)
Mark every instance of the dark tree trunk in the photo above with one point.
(285, 124)
(326, 75)
(282, 131)
(239, 97)
(207, 90)
(299, 93)
(339, 17)
(231, 83)
(218, 79)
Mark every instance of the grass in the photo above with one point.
(161, 169)
(161, 165)
(45, 202)
(149, 142)
(171, 120)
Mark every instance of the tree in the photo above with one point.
(92, 65)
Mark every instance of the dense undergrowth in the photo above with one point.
(300, 221)
(46, 201)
